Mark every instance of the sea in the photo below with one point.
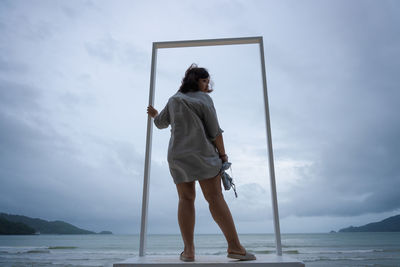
(330, 249)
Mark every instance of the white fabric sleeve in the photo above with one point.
(211, 124)
(162, 120)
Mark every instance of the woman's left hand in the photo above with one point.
(224, 158)
(152, 111)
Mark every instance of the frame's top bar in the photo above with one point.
(209, 42)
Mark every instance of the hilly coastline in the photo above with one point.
(391, 224)
(17, 224)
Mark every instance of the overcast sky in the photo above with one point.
(74, 83)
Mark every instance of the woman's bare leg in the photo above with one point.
(212, 192)
(186, 215)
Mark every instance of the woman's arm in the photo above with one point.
(219, 143)
(161, 120)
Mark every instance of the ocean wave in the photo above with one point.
(353, 251)
(339, 259)
(37, 251)
(62, 247)
(294, 251)
(264, 251)
(359, 251)
(23, 250)
(301, 246)
(387, 250)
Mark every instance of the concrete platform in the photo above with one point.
(210, 261)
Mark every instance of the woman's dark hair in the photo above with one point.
(192, 76)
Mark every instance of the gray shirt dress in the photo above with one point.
(194, 125)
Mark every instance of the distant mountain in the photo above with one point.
(391, 224)
(14, 228)
(45, 227)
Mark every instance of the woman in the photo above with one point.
(196, 152)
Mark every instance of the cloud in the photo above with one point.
(8, 66)
(104, 49)
(74, 87)
(44, 172)
(54, 180)
(16, 96)
(344, 123)
(109, 50)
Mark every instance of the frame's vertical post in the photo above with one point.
(270, 156)
(146, 179)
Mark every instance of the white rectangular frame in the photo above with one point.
(146, 180)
